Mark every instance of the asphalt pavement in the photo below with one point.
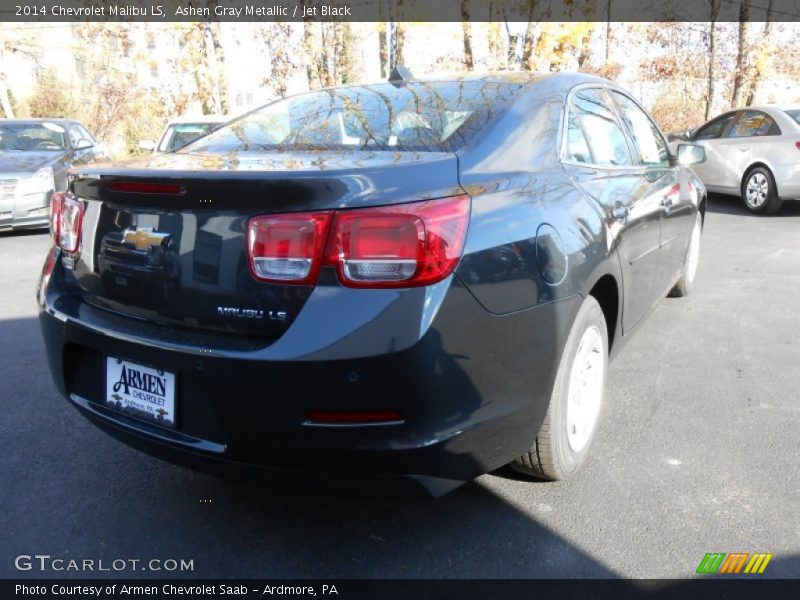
(698, 451)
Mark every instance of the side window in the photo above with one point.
(754, 123)
(646, 137)
(74, 134)
(77, 133)
(713, 129)
(604, 138)
(577, 147)
(86, 135)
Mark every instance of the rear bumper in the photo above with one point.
(472, 391)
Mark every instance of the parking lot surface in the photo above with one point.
(698, 451)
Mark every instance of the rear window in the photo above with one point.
(419, 116)
(795, 114)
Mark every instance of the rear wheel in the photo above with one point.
(563, 441)
(686, 282)
(759, 192)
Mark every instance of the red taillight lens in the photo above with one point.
(405, 245)
(797, 145)
(69, 224)
(380, 245)
(287, 248)
(138, 187)
(55, 215)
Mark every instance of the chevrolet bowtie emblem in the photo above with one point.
(144, 237)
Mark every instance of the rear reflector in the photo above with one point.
(70, 223)
(138, 187)
(383, 416)
(287, 248)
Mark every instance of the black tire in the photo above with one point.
(685, 284)
(759, 192)
(552, 456)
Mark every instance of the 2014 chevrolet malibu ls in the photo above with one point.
(416, 278)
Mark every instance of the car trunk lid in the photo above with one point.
(163, 239)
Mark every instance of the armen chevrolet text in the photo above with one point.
(422, 279)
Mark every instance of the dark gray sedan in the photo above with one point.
(415, 278)
(35, 155)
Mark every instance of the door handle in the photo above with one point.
(744, 148)
(620, 213)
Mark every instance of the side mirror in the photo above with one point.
(147, 145)
(691, 154)
(83, 144)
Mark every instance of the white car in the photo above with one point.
(754, 153)
(182, 130)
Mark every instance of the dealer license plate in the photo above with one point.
(140, 391)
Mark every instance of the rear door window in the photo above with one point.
(646, 137)
(754, 123)
(602, 134)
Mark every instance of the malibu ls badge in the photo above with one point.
(251, 313)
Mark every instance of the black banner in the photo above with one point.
(411, 589)
(396, 10)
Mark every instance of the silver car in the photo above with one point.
(35, 155)
(753, 153)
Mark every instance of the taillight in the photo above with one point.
(69, 224)
(797, 145)
(55, 215)
(404, 245)
(287, 248)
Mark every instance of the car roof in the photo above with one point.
(39, 120)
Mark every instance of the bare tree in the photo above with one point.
(383, 48)
(466, 28)
(343, 42)
(221, 78)
(608, 32)
(310, 54)
(742, 55)
(18, 41)
(712, 55)
(529, 44)
(5, 99)
(399, 44)
(277, 36)
(763, 48)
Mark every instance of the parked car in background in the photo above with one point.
(181, 131)
(417, 278)
(753, 153)
(35, 155)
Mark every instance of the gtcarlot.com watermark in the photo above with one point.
(45, 563)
